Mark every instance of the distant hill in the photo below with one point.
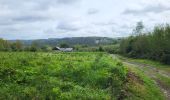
(90, 41)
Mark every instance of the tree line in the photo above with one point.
(35, 46)
(6, 45)
(153, 45)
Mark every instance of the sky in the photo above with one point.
(42, 19)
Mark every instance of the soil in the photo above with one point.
(152, 71)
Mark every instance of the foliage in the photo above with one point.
(153, 45)
(139, 28)
(89, 41)
(4, 45)
(19, 46)
(141, 87)
(101, 48)
(64, 45)
(64, 76)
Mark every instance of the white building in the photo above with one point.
(63, 49)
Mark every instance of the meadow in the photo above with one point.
(72, 76)
(64, 76)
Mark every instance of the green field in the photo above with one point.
(71, 76)
(26, 75)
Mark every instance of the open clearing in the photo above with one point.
(76, 75)
(64, 76)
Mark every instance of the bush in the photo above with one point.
(153, 45)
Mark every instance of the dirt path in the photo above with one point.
(152, 72)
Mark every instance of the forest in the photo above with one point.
(154, 45)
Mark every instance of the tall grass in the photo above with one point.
(25, 75)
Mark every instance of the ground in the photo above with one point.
(63, 76)
(159, 73)
(78, 75)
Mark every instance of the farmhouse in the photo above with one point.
(63, 49)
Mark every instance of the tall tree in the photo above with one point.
(139, 28)
(4, 45)
(154, 45)
(34, 46)
(17, 46)
(64, 45)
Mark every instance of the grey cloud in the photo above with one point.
(12, 2)
(148, 9)
(29, 18)
(126, 26)
(8, 29)
(5, 22)
(34, 4)
(105, 23)
(67, 26)
(92, 11)
(21, 19)
(92, 32)
(67, 1)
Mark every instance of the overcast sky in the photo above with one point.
(40, 19)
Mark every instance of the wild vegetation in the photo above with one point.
(8, 46)
(113, 49)
(89, 41)
(65, 76)
(153, 45)
(28, 76)
(80, 44)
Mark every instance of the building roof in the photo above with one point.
(64, 49)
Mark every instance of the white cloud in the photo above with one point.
(148, 9)
(26, 19)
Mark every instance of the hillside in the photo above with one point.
(90, 41)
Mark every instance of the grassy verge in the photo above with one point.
(152, 63)
(141, 87)
(165, 81)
